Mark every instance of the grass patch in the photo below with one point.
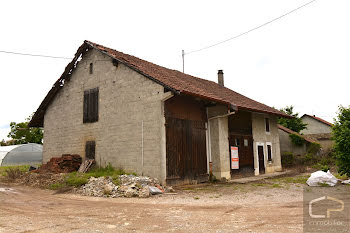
(323, 184)
(341, 177)
(292, 180)
(77, 179)
(276, 186)
(258, 184)
(4, 170)
(57, 186)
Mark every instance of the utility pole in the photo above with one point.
(183, 61)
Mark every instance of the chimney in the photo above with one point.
(220, 77)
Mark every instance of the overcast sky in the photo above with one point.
(301, 59)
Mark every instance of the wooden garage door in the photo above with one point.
(186, 150)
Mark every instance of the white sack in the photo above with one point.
(321, 177)
(346, 181)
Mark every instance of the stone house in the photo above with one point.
(319, 130)
(155, 121)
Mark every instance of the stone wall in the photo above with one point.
(131, 120)
(261, 136)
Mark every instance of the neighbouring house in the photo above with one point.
(119, 109)
(286, 144)
(319, 130)
(23, 154)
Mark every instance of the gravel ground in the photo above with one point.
(257, 207)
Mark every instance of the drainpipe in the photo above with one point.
(225, 115)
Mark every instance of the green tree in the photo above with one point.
(295, 123)
(341, 136)
(22, 134)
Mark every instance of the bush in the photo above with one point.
(297, 140)
(341, 136)
(314, 148)
(287, 159)
(13, 173)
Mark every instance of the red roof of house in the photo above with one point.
(174, 80)
(319, 119)
(287, 130)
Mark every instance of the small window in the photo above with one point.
(91, 68)
(237, 142)
(90, 148)
(267, 124)
(90, 111)
(269, 153)
(245, 142)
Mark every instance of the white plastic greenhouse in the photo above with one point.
(24, 154)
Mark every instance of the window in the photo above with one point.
(91, 68)
(245, 142)
(90, 147)
(237, 142)
(90, 106)
(269, 153)
(267, 124)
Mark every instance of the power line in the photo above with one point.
(250, 30)
(34, 55)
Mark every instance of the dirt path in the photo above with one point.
(218, 208)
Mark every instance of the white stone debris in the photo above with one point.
(123, 186)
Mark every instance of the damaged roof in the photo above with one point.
(176, 81)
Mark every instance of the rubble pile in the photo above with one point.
(41, 180)
(65, 164)
(123, 186)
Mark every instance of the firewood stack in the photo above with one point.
(65, 164)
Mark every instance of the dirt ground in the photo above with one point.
(254, 207)
(202, 208)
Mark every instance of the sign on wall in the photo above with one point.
(234, 157)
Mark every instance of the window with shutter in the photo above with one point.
(90, 113)
(90, 147)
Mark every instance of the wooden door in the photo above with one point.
(261, 159)
(245, 149)
(186, 157)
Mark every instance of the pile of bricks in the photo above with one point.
(66, 163)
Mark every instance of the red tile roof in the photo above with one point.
(287, 130)
(319, 119)
(174, 80)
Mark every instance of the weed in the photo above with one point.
(196, 198)
(13, 173)
(22, 168)
(276, 186)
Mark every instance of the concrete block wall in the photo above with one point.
(261, 136)
(127, 100)
(219, 142)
